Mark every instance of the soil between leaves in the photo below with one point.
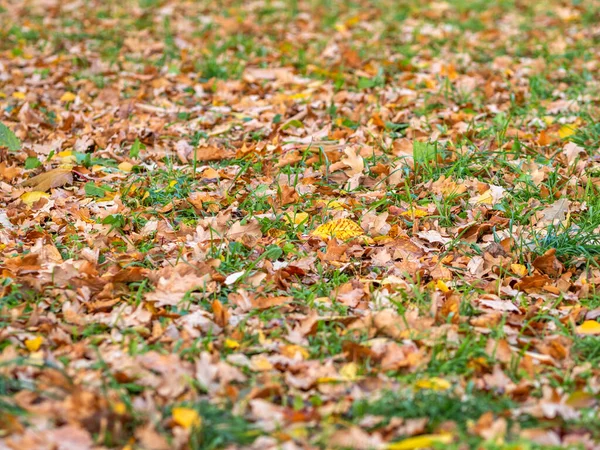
(299, 224)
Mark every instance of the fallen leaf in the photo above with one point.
(548, 263)
(125, 166)
(343, 229)
(212, 153)
(434, 383)
(33, 345)
(231, 344)
(68, 97)
(433, 236)
(555, 213)
(29, 198)
(47, 180)
(567, 130)
(186, 417)
(423, 441)
(490, 197)
(589, 327)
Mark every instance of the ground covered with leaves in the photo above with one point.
(299, 224)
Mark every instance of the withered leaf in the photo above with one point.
(52, 179)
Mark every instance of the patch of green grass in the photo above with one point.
(220, 428)
(437, 406)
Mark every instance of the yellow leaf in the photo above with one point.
(292, 350)
(125, 166)
(548, 120)
(29, 198)
(172, 183)
(424, 441)
(349, 372)
(415, 213)
(66, 157)
(33, 345)
(186, 417)
(297, 218)
(567, 130)
(68, 97)
(19, 95)
(519, 269)
(339, 228)
(442, 286)
(119, 408)
(231, 343)
(590, 327)
(434, 383)
(484, 199)
(261, 364)
(337, 205)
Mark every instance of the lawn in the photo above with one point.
(315, 224)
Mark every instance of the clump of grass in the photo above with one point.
(437, 406)
(220, 428)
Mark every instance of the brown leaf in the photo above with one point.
(288, 195)
(51, 179)
(221, 313)
(212, 153)
(549, 264)
(268, 302)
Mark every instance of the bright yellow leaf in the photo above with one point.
(186, 417)
(337, 205)
(172, 183)
(442, 286)
(66, 157)
(424, 441)
(339, 228)
(567, 130)
(519, 269)
(415, 212)
(68, 97)
(232, 343)
(29, 198)
(19, 95)
(590, 327)
(119, 408)
(33, 345)
(125, 166)
(434, 383)
(297, 218)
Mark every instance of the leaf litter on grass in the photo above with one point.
(299, 225)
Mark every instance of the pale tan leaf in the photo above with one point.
(52, 179)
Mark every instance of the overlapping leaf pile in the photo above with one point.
(299, 224)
